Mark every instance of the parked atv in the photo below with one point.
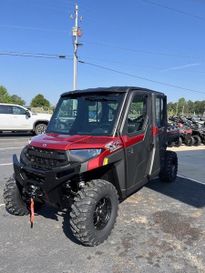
(199, 136)
(186, 136)
(174, 138)
(101, 145)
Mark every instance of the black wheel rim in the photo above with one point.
(102, 213)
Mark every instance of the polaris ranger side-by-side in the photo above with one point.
(101, 146)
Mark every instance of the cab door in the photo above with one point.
(20, 119)
(137, 138)
(5, 117)
(160, 136)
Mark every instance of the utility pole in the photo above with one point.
(76, 32)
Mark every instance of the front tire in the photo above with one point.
(40, 128)
(197, 140)
(169, 172)
(12, 199)
(94, 211)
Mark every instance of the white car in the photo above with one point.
(17, 118)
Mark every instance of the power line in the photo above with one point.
(141, 78)
(143, 51)
(141, 66)
(67, 57)
(152, 67)
(173, 9)
(35, 55)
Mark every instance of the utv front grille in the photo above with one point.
(46, 159)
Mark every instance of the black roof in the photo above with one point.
(117, 89)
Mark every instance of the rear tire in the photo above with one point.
(169, 172)
(192, 141)
(179, 142)
(40, 128)
(171, 144)
(94, 211)
(189, 141)
(197, 140)
(12, 199)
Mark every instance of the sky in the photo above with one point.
(159, 40)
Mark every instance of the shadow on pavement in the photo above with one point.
(54, 214)
(20, 134)
(184, 190)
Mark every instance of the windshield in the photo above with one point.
(87, 114)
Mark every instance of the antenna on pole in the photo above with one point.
(76, 33)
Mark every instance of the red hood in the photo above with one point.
(67, 142)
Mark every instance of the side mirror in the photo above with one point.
(28, 114)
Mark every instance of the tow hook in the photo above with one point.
(32, 212)
(33, 192)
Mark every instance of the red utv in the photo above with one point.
(101, 146)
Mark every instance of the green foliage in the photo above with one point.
(4, 95)
(40, 101)
(17, 100)
(181, 105)
(190, 106)
(37, 101)
(171, 108)
(186, 107)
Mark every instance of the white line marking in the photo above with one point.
(16, 139)
(10, 148)
(6, 164)
(2, 205)
(187, 148)
(197, 181)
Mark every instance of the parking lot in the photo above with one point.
(161, 228)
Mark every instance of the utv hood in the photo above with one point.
(67, 142)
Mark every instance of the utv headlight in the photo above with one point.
(83, 154)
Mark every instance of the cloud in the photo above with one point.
(181, 67)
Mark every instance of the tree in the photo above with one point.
(199, 107)
(190, 107)
(4, 95)
(40, 101)
(186, 107)
(171, 108)
(181, 105)
(17, 100)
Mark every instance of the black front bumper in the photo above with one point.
(49, 181)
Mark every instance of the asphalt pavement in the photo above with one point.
(192, 162)
(161, 228)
